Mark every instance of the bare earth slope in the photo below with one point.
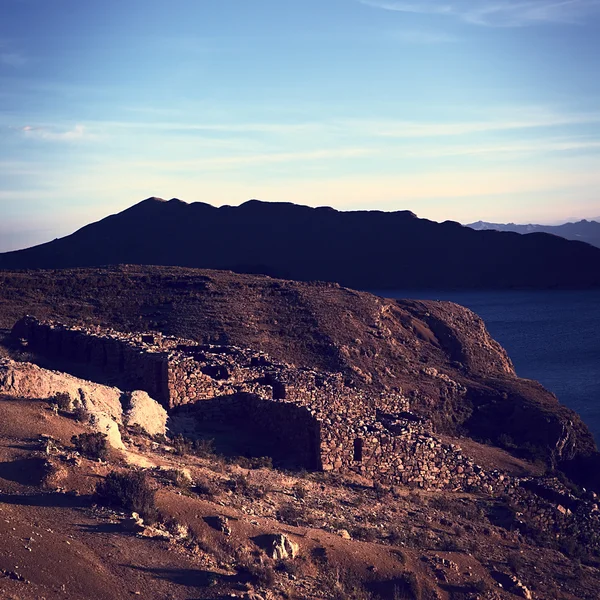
(360, 249)
(439, 354)
(354, 541)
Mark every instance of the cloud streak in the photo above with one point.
(498, 13)
(415, 129)
(79, 132)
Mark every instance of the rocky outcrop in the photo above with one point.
(279, 546)
(146, 413)
(99, 404)
(26, 380)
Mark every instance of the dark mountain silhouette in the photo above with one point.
(361, 249)
(582, 231)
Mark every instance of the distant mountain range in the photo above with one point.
(582, 231)
(362, 249)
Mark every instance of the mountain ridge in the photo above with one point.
(360, 249)
(584, 230)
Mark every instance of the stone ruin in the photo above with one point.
(311, 419)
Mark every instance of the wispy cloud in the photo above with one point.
(416, 129)
(237, 161)
(78, 132)
(517, 149)
(498, 13)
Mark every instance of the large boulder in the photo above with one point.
(147, 413)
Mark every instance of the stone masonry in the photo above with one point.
(314, 419)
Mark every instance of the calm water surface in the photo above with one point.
(553, 337)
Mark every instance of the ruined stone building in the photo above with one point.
(310, 419)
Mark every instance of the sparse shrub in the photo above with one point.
(206, 488)
(480, 586)
(319, 556)
(129, 491)
(91, 445)
(181, 445)
(63, 400)
(178, 477)
(364, 534)
(137, 429)
(407, 587)
(204, 448)
(457, 507)
(240, 484)
(396, 536)
(293, 515)
(290, 567)
(299, 491)
(449, 544)
(505, 441)
(381, 491)
(257, 462)
(259, 574)
(201, 447)
(81, 414)
(175, 528)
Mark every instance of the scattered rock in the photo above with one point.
(223, 525)
(280, 547)
(134, 523)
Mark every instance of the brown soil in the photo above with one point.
(56, 543)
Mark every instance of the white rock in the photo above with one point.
(147, 413)
(101, 402)
(280, 546)
(104, 424)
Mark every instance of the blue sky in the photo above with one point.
(454, 109)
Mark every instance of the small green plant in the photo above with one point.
(91, 445)
(129, 491)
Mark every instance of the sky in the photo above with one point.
(453, 109)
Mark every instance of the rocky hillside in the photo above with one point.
(361, 249)
(439, 354)
(160, 517)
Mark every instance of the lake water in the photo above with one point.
(553, 337)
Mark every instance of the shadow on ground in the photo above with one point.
(50, 499)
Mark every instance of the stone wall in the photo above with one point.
(123, 360)
(309, 417)
(287, 433)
